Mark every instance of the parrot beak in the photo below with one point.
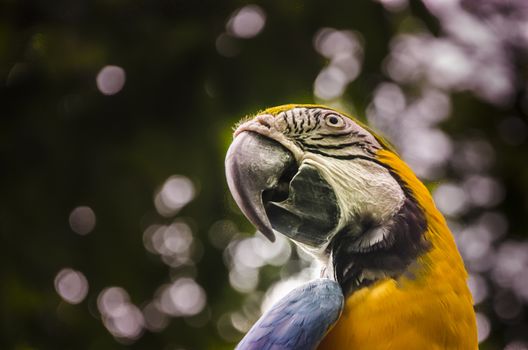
(274, 193)
(255, 164)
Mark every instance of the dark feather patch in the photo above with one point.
(404, 242)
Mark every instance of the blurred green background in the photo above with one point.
(117, 226)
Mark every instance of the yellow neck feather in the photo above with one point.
(428, 308)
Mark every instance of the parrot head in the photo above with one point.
(325, 181)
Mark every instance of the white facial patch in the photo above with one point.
(363, 189)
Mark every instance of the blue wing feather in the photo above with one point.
(298, 321)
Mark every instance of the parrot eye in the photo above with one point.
(334, 121)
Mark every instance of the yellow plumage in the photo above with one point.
(428, 308)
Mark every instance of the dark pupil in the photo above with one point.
(333, 120)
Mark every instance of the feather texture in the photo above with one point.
(429, 307)
(300, 320)
(416, 296)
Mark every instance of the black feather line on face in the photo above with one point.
(322, 136)
(288, 127)
(312, 128)
(404, 243)
(347, 156)
(296, 127)
(335, 146)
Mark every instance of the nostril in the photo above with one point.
(263, 121)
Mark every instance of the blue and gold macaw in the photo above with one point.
(392, 276)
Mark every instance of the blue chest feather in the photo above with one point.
(298, 321)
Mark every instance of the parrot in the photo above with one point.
(391, 276)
